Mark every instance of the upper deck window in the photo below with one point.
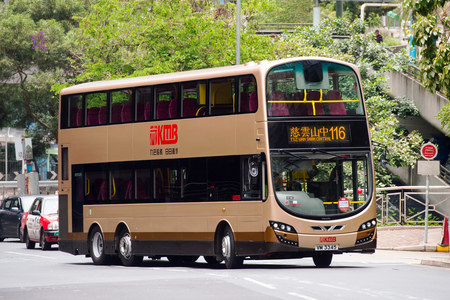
(313, 88)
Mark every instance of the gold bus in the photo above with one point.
(262, 160)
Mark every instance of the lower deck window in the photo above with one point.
(227, 178)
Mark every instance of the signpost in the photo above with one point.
(429, 167)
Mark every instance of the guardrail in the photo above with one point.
(406, 204)
(278, 28)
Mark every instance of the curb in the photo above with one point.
(436, 263)
(422, 248)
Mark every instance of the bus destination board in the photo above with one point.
(318, 133)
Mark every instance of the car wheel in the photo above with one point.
(20, 235)
(30, 244)
(96, 247)
(44, 244)
(228, 250)
(125, 250)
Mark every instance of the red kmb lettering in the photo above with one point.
(164, 134)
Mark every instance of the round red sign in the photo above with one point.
(343, 204)
(428, 151)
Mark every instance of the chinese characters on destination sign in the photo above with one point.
(320, 133)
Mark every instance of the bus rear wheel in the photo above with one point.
(125, 250)
(229, 250)
(96, 247)
(322, 259)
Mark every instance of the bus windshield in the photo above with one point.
(322, 184)
(313, 88)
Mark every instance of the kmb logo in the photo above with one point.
(163, 134)
(328, 239)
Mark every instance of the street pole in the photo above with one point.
(238, 32)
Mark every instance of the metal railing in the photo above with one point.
(11, 187)
(406, 205)
(278, 28)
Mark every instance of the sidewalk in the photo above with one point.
(411, 238)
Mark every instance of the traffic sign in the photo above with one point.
(429, 151)
(343, 204)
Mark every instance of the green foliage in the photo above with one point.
(373, 20)
(115, 41)
(30, 103)
(431, 32)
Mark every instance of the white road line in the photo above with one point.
(302, 296)
(33, 255)
(334, 286)
(261, 283)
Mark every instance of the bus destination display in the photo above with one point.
(318, 133)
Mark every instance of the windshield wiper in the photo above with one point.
(292, 154)
(314, 150)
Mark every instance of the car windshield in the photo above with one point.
(26, 202)
(321, 184)
(50, 206)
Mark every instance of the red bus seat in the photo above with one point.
(190, 107)
(336, 108)
(80, 117)
(102, 115)
(116, 113)
(127, 113)
(315, 95)
(278, 109)
(147, 111)
(162, 110)
(253, 102)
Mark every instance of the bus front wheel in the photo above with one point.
(125, 250)
(229, 250)
(322, 259)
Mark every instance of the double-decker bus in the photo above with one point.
(267, 160)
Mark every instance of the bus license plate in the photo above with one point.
(327, 247)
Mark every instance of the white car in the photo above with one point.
(42, 223)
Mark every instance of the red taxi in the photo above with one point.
(40, 223)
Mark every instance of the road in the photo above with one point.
(37, 274)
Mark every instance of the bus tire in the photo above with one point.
(96, 247)
(322, 259)
(229, 250)
(28, 243)
(125, 250)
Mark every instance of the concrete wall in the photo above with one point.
(428, 104)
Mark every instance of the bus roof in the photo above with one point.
(247, 68)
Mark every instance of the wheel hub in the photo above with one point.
(226, 246)
(125, 246)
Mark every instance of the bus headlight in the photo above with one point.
(368, 225)
(282, 227)
(53, 226)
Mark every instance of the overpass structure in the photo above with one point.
(429, 105)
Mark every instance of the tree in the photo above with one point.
(27, 71)
(431, 32)
(125, 39)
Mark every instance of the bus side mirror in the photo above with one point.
(383, 161)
